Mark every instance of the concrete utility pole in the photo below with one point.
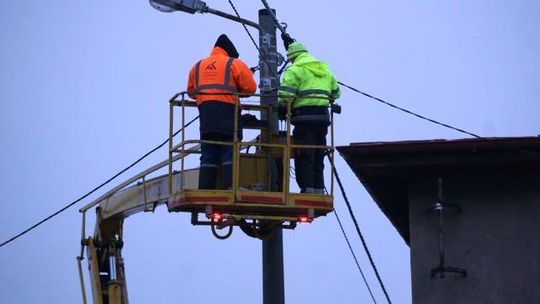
(272, 248)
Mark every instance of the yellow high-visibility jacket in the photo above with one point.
(308, 82)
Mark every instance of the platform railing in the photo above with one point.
(239, 145)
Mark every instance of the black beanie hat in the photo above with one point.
(225, 43)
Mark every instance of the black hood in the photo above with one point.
(225, 43)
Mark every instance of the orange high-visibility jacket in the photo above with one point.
(220, 73)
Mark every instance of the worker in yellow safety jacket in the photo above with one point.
(310, 87)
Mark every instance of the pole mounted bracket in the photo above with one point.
(439, 206)
(266, 39)
(266, 84)
(441, 202)
(442, 269)
(280, 58)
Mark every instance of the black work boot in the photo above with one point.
(226, 176)
(207, 177)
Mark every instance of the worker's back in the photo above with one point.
(216, 83)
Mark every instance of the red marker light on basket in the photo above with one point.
(303, 219)
(217, 217)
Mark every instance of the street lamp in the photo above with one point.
(196, 6)
(187, 6)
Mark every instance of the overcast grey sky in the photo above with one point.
(84, 89)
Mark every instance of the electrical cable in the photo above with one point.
(263, 57)
(96, 188)
(528, 152)
(364, 244)
(283, 67)
(410, 112)
(276, 22)
(354, 256)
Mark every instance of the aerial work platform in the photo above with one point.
(259, 200)
(253, 200)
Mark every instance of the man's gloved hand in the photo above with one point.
(282, 112)
(287, 40)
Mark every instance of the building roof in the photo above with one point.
(386, 168)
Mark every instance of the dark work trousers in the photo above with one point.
(216, 124)
(212, 156)
(309, 163)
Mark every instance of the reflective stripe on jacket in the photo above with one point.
(308, 82)
(220, 73)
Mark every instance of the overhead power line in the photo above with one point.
(410, 112)
(524, 151)
(364, 244)
(95, 189)
(354, 256)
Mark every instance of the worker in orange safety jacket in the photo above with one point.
(216, 82)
